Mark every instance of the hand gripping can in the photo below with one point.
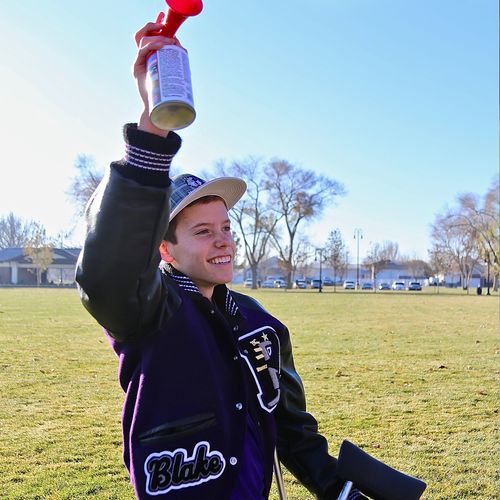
(169, 88)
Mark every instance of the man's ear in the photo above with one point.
(165, 252)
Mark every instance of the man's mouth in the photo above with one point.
(226, 259)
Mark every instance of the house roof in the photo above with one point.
(61, 255)
(11, 254)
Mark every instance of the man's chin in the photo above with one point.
(224, 280)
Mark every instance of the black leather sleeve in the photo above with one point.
(302, 450)
(117, 271)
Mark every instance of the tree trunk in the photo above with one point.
(254, 268)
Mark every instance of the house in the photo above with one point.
(17, 269)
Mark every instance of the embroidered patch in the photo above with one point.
(173, 470)
(261, 350)
(193, 181)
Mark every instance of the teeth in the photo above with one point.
(221, 260)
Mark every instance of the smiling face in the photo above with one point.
(204, 250)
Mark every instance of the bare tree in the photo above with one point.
(440, 263)
(296, 195)
(337, 255)
(418, 268)
(481, 216)
(458, 241)
(304, 252)
(388, 250)
(376, 259)
(61, 238)
(85, 182)
(14, 231)
(254, 219)
(39, 249)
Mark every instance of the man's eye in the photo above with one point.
(227, 228)
(203, 231)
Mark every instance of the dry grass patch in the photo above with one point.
(412, 378)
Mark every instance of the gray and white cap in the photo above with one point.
(187, 188)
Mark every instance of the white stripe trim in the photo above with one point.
(147, 160)
(231, 306)
(148, 153)
(130, 162)
(155, 160)
(189, 288)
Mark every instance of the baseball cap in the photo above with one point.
(187, 188)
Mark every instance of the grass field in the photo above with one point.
(410, 377)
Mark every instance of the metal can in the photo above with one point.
(169, 88)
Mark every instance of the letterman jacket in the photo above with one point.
(182, 361)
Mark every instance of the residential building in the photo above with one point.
(17, 269)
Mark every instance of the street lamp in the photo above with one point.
(320, 252)
(358, 235)
(487, 260)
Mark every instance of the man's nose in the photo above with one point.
(223, 239)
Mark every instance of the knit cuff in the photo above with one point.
(147, 156)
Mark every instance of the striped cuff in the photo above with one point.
(147, 156)
(148, 160)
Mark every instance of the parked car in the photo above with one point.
(279, 283)
(248, 283)
(368, 285)
(414, 286)
(398, 285)
(349, 285)
(300, 284)
(315, 283)
(327, 282)
(384, 286)
(267, 284)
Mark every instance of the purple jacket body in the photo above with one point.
(184, 361)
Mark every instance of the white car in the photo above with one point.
(267, 284)
(300, 284)
(349, 285)
(398, 285)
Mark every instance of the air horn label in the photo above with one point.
(169, 88)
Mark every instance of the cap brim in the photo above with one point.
(230, 189)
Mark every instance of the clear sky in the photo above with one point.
(396, 99)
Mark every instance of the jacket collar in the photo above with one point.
(222, 296)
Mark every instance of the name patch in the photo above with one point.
(173, 470)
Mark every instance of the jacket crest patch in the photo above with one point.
(261, 350)
(173, 470)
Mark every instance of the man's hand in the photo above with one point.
(148, 40)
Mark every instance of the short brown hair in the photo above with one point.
(170, 234)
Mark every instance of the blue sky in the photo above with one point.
(398, 100)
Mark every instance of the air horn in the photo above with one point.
(169, 86)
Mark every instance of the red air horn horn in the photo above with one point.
(178, 12)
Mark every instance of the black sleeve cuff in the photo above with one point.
(147, 156)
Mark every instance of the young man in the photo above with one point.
(210, 383)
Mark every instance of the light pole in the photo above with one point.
(488, 273)
(320, 252)
(358, 235)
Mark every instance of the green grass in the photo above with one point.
(410, 377)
